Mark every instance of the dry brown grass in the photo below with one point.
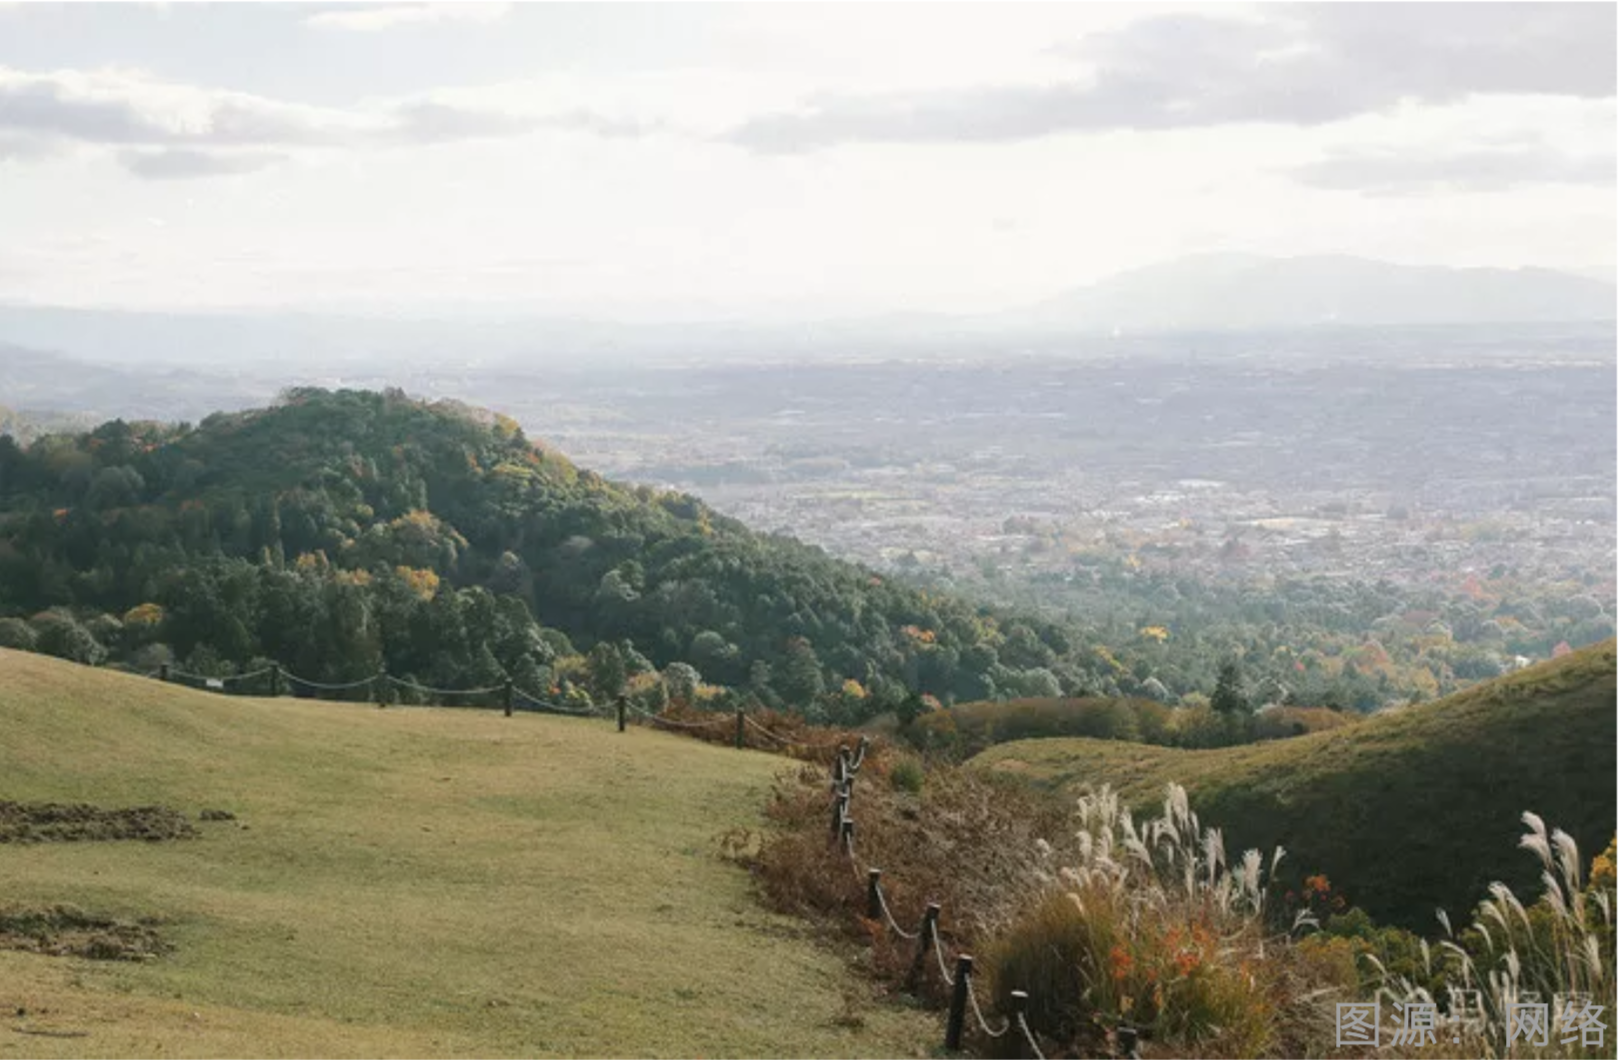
(966, 840)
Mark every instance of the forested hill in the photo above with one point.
(336, 532)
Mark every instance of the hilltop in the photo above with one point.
(1407, 811)
(404, 882)
(340, 532)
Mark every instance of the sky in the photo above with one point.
(655, 161)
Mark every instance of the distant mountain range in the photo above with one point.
(1241, 292)
(1213, 292)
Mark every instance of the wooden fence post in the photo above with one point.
(1128, 1042)
(621, 702)
(162, 671)
(275, 680)
(508, 691)
(1019, 1009)
(839, 813)
(741, 739)
(929, 926)
(848, 835)
(379, 684)
(957, 1003)
(873, 894)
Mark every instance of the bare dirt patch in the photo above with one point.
(66, 931)
(61, 822)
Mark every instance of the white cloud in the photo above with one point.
(1491, 168)
(376, 17)
(39, 113)
(587, 166)
(185, 164)
(1298, 66)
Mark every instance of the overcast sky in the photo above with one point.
(640, 160)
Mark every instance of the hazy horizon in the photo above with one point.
(778, 162)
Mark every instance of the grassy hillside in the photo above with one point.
(1406, 812)
(404, 882)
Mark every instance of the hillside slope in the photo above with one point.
(404, 882)
(326, 533)
(1406, 812)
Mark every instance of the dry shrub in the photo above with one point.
(968, 841)
(1152, 927)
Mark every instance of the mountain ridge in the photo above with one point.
(1201, 292)
(1253, 292)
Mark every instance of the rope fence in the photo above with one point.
(382, 685)
(963, 993)
(384, 688)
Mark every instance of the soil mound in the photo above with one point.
(66, 931)
(58, 822)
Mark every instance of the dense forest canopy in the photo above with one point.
(340, 532)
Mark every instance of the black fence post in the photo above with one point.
(379, 685)
(873, 894)
(1019, 1010)
(741, 736)
(957, 1003)
(275, 680)
(839, 814)
(507, 691)
(848, 836)
(162, 671)
(1128, 1042)
(621, 708)
(929, 927)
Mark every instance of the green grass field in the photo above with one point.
(1405, 812)
(407, 882)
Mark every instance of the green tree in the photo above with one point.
(607, 670)
(15, 633)
(62, 636)
(799, 680)
(486, 671)
(910, 708)
(1230, 696)
(682, 680)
